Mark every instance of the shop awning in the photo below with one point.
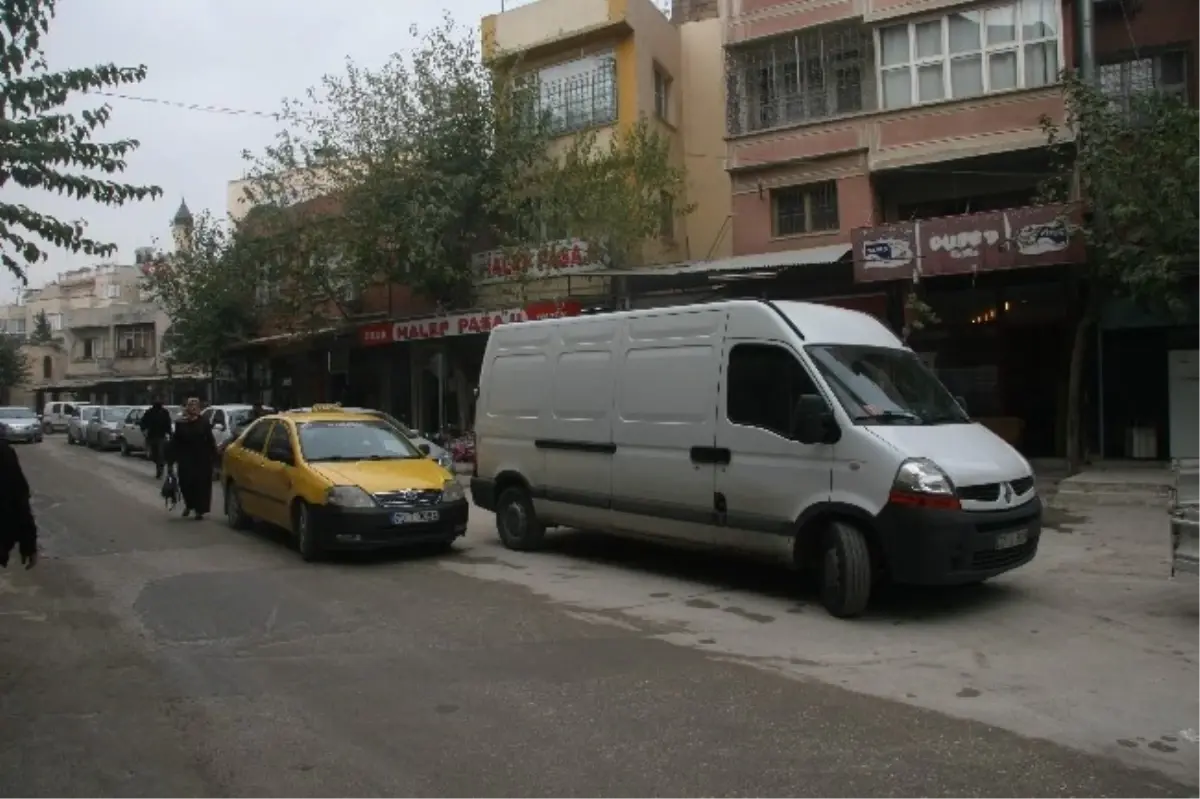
(767, 261)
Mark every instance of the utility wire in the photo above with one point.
(282, 117)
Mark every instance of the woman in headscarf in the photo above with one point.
(193, 452)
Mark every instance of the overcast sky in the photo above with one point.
(237, 54)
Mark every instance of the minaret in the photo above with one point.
(181, 226)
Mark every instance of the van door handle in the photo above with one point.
(714, 455)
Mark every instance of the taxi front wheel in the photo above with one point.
(307, 540)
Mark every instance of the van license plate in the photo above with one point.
(415, 517)
(1013, 539)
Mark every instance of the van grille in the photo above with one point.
(990, 492)
(413, 498)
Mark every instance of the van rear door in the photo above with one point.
(1184, 514)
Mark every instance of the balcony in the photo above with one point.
(124, 314)
(545, 27)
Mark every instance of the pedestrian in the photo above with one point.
(193, 453)
(156, 426)
(18, 528)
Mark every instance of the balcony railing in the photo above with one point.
(807, 76)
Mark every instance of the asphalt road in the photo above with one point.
(152, 655)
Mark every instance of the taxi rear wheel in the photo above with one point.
(234, 514)
(306, 538)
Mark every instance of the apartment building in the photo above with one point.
(106, 337)
(872, 142)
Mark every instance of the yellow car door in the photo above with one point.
(276, 474)
(242, 466)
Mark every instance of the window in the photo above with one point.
(279, 445)
(969, 53)
(579, 94)
(16, 327)
(765, 383)
(55, 320)
(811, 208)
(135, 342)
(1165, 73)
(217, 418)
(92, 348)
(112, 291)
(662, 94)
(256, 436)
(47, 367)
(817, 73)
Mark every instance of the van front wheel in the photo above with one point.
(516, 521)
(845, 571)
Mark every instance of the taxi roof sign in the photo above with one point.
(326, 407)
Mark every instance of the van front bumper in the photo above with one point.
(930, 546)
(372, 528)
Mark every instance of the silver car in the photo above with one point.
(133, 439)
(77, 423)
(104, 426)
(20, 424)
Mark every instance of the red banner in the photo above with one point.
(463, 324)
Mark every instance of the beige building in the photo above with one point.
(106, 334)
(605, 64)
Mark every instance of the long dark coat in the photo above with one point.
(193, 451)
(17, 528)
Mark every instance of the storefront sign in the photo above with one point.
(554, 259)
(953, 245)
(464, 324)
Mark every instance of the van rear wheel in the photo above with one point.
(516, 521)
(846, 572)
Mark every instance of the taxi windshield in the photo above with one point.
(353, 440)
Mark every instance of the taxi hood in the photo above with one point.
(385, 475)
(970, 454)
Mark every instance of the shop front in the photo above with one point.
(1001, 331)
(427, 368)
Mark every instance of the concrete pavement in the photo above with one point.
(154, 655)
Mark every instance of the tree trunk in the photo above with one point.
(1079, 348)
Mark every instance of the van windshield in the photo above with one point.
(880, 385)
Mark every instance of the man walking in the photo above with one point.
(18, 528)
(156, 426)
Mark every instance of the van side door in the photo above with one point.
(664, 424)
(770, 477)
(576, 435)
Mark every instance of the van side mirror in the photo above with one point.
(813, 422)
(962, 402)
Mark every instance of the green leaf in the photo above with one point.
(43, 148)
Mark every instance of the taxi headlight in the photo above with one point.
(349, 497)
(446, 461)
(452, 491)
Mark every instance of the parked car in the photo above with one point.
(56, 415)
(104, 426)
(227, 420)
(799, 432)
(443, 457)
(77, 423)
(132, 438)
(20, 424)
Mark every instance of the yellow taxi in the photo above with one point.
(340, 480)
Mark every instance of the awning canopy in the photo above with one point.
(767, 261)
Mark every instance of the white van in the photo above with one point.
(802, 432)
(56, 415)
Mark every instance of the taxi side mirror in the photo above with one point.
(424, 448)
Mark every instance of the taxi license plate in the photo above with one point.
(415, 517)
(1014, 539)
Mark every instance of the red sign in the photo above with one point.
(952, 245)
(553, 259)
(464, 324)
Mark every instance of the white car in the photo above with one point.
(227, 420)
(56, 415)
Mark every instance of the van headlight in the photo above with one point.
(452, 491)
(921, 482)
(349, 497)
